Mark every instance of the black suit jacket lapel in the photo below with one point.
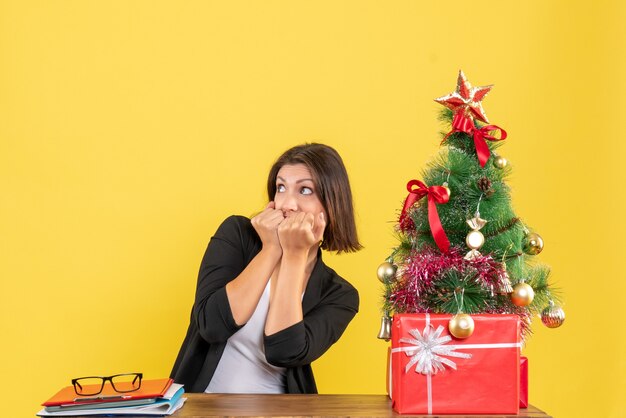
(313, 292)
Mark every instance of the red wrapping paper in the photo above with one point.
(388, 382)
(486, 383)
(523, 384)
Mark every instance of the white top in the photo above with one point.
(243, 367)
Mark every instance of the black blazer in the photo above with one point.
(329, 304)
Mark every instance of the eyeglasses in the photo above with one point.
(93, 385)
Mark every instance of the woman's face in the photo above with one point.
(295, 191)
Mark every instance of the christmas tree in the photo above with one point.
(462, 248)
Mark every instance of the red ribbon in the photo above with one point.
(436, 194)
(462, 123)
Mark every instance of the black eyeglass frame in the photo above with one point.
(104, 379)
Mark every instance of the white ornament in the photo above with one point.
(475, 239)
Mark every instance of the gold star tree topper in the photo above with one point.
(466, 99)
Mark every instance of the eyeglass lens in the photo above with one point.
(126, 382)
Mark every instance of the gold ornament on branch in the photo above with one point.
(386, 272)
(499, 161)
(552, 316)
(461, 326)
(523, 294)
(532, 243)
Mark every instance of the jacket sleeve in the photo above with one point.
(305, 341)
(224, 259)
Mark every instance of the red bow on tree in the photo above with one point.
(436, 194)
(462, 123)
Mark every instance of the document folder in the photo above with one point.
(149, 389)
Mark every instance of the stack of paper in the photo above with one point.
(159, 397)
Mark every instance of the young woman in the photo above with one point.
(266, 305)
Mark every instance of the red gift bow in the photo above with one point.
(462, 123)
(436, 194)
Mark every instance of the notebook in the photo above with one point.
(149, 389)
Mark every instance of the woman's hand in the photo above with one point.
(301, 231)
(266, 225)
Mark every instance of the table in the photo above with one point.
(200, 405)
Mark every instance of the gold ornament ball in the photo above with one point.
(532, 244)
(475, 240)
(552, 316)
(386, 272)
(461, 326)
(523, 294)
(445, 186)
(500, 162)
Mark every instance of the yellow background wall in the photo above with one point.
(130, 129)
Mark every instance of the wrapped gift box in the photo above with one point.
(435, 373)
(523, 379)
(523, 384)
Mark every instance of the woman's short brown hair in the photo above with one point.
(333, 188)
